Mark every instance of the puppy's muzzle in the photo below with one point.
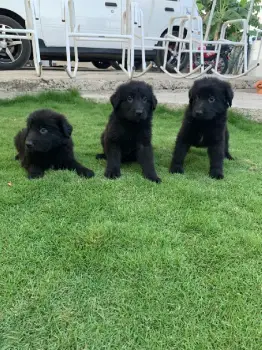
(199, 114)
(139, 112)
(29, 145)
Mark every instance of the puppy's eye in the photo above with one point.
(211, 99)
(43, 131)
(130, 99)
(144, 99)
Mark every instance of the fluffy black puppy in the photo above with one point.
(128, 134)
(205, 125)
(46, 143)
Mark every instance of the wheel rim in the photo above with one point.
(172, 54)
(221, 65)
(10, 49)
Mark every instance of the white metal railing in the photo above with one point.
(133, 18)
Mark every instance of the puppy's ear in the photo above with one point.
(115, 99)
(229, 94)
(66, 127)
(154, 102)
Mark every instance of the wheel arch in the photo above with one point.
(175, 28)
(13, 15)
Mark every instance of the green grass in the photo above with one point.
(129, 264)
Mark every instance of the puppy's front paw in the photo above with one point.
(112, 173)
(176, 169)
(100, 156)
(157, 180)
(154, 179)
(228, 156)
(34, 172)
(88, 173)
(216, 174)
(32, 176)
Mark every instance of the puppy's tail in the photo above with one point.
(100, 156)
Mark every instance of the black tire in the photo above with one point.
(115, 65)
(224, 62)
(138, 65)
(20, 53)
(101, 64)
(223, 65)
(170, 66)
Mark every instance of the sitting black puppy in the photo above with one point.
(128, 134)
(46, 143)
(205, 125)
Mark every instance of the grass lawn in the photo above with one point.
(129, 264)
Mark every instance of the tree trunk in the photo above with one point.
(217, 32)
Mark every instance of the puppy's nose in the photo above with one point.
(29, 144)
(139, 112)
(199, 113)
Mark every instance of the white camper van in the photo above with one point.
(98, 16)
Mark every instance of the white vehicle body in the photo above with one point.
(97, 17)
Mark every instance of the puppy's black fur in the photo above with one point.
(46, 143)
(128, 134)
(205, 125)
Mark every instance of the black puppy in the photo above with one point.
(205, 125)
(128, 134)
(46, 143)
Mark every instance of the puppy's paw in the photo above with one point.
(228, 156)
(216, 174)
(33, 176)
(176, 169)
(157, 180)
(112, 173)
(154, 179)
(100, 156)
(88, 173)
